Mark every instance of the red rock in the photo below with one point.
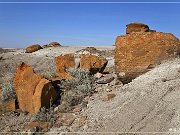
(44, 125)
(33, 48)
(54, 44)
(32, 91)
(136, 27)
(63, 62)
(135, 53)
(93, 63)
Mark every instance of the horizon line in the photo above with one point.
(137, 2)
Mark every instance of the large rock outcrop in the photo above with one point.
(136, 52)
(33, 48)
(33, 91)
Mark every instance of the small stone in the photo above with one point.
(77, 109)
(80, 121)
(107, 97)
(65, 119)
(105, 79)
(98, 75)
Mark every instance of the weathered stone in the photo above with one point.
(136, 53)
(32, 91)
(44, 126)
(93, 63)
(54, 44)
(105, 79)
(77, 109)
(107, 97)
(33, 48)
(136, 27)
(98, 75)
(64, 62)
(65, 119)
(80, 121)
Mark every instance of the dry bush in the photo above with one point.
(76, 89)
(8, 92)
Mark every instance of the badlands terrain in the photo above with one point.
(128, 89)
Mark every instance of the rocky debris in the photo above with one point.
(77, 109)
(54, 44)
(65, 119)
(33, 48)
(93, 63)
(37, 126)
(107, 96)
(136, 27)
(33, 92)
(136, 53)
(63, 63)
(80, 121)
(106, 79)
(90, 49)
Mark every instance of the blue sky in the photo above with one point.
(80, 24)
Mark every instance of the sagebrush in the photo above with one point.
(8, 92)
(74, 90)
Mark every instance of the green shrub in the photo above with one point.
(76, 89)
(8, 92)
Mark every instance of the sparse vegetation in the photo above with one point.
(8, 92)
(49, 74)
(44, 115)
(76, 89)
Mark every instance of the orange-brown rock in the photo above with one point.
(65, 119)
(54, 44)
(136, 52)
(33, 91)
(33, 48)
(108, 96)
(136, 27)
(43, 125)
(93, 63)
(63, 63)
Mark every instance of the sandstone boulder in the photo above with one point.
(136, 27)
(33, 48)
(54, 44)
(135, 53)
(33, 91)
(63, 62)
(93, 63)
